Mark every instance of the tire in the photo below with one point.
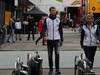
(13, 73)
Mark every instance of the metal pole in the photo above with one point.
(0, 40)
(0, 26)
(98, 1)
(84, 7)
(15, 14)
(88, 5)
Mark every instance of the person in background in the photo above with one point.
(67, 23)
(18, 28)
(31, 23)
(11, 29)
(90, 37)
(74, 24)
(54, 38)
(40, 30)
(64, 22)
(81, 24)
(71, 22)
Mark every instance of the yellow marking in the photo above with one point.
(76, 2)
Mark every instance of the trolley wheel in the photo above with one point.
(81, 55)
(16, 65)
(18, 60)
(41, 71)
(13, 73)
(29, 56)
(75, 65)
(81, 69)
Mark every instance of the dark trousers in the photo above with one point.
(90, 53)
(32, 32)
(41, 36)
(56, 45)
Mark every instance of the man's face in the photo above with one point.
(13, 17)
(43, 18)
(53, 12)
(29, 17)
(18, 19)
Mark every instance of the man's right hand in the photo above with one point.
(81, 46)
(98, 41)
(45, 38)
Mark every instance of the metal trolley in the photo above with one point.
(33, 67)
(82, 66)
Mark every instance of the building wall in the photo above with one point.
(44, 5)
(21, 8)
(10, 7)
(2, 21)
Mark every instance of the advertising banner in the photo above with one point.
(72, 3)
(7, 17)
(94, 6)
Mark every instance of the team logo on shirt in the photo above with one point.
(94, 27)
(56, 20)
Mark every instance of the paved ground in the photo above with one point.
(8, 58)
(45, 72)
(71, 47)
(71, 42)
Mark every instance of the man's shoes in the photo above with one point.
(13, 41)
(36, 43)
(58, 72)
(71, 29)
(8, 41)
(20, 39)
(91, 70)
(50, 71)
(44, 44)
(27, 39)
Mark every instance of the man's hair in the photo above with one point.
(51, 8)
(29, 16)
(12, 16)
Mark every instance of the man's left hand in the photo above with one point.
(61, 43)
(98, 41)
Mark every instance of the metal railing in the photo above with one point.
(2, 22)
(97, 20)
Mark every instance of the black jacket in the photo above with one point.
(12, 24)
(31, 23)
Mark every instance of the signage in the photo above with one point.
(16, 2)
(7, 18)
(72, 3)
(94, 6)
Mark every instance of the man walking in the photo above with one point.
(40, 30)
(54, 38)
(11, 29)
